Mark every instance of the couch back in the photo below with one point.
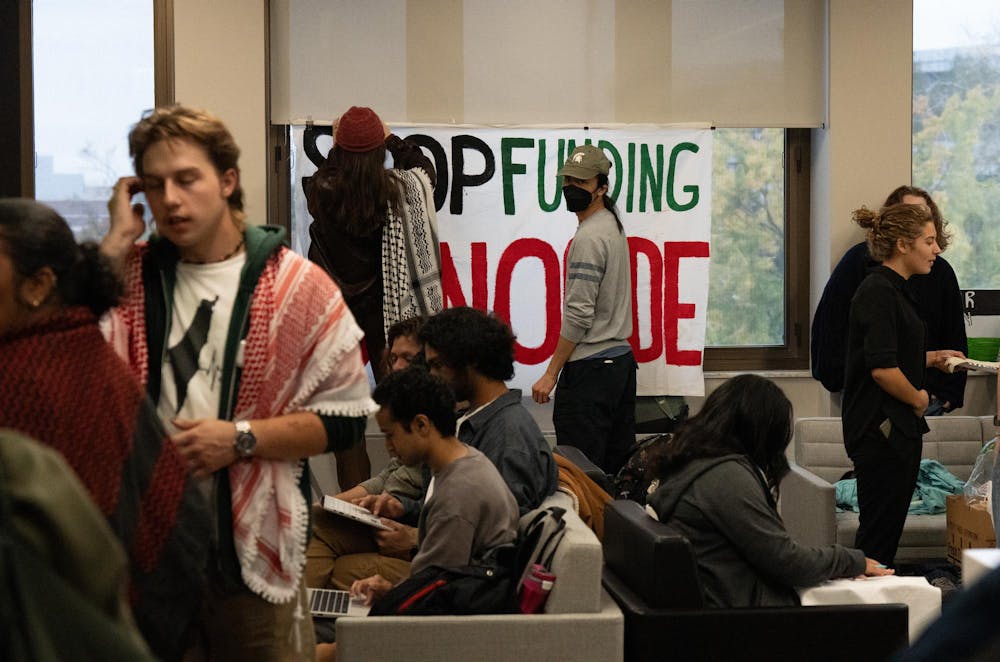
(576, 564)
(954, 441)
(650, 557)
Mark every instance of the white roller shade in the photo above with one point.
(734, 63)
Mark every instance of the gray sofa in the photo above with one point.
(807, 493)
(581, 621)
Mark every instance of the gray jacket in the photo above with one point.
(745, 556)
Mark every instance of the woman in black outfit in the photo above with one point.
(884, 382)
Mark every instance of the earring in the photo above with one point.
(36, 303)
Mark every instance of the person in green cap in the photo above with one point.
(594, 407)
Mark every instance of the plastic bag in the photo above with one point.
(980, 482)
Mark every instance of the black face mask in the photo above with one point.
(577, 199)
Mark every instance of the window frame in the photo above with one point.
(19, 111)
(794, 353)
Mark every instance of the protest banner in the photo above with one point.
(505, 233)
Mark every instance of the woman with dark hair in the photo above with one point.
(374, 230)
(718, 486)
(592, 364)
(63, 385)
(885, 396)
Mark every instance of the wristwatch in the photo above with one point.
(246, 441)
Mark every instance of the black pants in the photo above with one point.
(886, 478)
(594, 409)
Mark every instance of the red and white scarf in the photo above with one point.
(301, 353)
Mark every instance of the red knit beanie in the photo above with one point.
(359, 130)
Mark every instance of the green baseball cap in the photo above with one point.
(585, 162)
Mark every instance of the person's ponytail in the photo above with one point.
(91, 281)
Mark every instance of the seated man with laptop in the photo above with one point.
(334, 535)
(468, 510)
(473, 352)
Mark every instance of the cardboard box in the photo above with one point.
(968, 526)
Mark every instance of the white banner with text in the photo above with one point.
(505, 233)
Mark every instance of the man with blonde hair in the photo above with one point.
(252, 359)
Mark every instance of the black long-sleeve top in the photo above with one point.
(938, 302)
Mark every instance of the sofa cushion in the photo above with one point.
(919, 531)
(954, 441)
(819, 447)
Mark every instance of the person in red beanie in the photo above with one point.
(375, 232)
(359, 209)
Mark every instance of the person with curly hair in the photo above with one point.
(937, 297)
(885, 395)
(473, 352)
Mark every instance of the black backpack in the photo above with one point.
(632, 481)
(488, 587)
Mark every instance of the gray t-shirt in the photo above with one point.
(470, 512)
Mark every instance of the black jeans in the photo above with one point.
(594, 409)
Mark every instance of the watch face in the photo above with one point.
(245, 443)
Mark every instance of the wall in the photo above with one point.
(864, 150)
(220, 64)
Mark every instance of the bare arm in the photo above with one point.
(208, 444)
(895, 383)
(126, 222)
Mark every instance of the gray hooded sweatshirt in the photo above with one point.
(745, 556)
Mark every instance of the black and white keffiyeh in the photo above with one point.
(411, 255)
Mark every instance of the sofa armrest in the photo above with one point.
(598, 637)
(808, 507)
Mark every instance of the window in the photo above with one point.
(89, 87)
(956, 147)
(758, 289)
(956, 128)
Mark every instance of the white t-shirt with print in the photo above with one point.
(192, 363)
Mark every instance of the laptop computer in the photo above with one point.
(329, 603)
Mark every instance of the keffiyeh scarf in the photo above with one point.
(301, 353)
(411, 255)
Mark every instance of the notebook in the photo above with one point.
(971, 364)
(327, 603)
(352, 511)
